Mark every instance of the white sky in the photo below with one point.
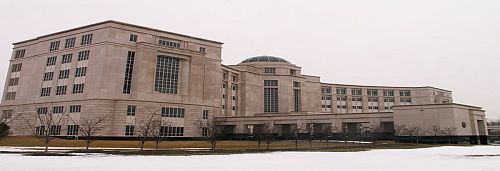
(450, 44)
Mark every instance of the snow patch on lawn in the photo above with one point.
(450, 158)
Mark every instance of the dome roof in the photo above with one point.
(265, 59)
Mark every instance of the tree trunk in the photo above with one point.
(47, 139)
(327, 144)
(87, 144)
(310, 143)
(296, 143)
(449, 139)
(157, 145)
(142, 145)
(267, 144)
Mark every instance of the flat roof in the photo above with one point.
(121, 23)
(443, 104)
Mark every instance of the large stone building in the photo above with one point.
(126, 71)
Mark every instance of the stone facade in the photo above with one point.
(126, 67)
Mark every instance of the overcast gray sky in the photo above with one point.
(450, 44)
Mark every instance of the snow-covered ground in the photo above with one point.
(439, 158)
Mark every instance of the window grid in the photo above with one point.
(133, 38)
(19, 53)
(45, 91)
(127, 82)
(131, 110)
(167, 131)
(170, 43)
(81, 72)
(10, 95)
(61, 90)
(48, 76)
(16, 67)
(42, 110)
(13, 81)
(67, 58)
(58, 109)
(167, 74)
(83, 55)
(75, 108)
(51, 60)
(129, 130)
(86, 39)
(78, 88)
(205, 114)
(270, 70)
(70, 42)
(64, 74)
(72, 129)
(54, 46)
(172, 112)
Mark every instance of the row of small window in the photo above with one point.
(369, 92)
(64, 74)
(165, 131)
(56, 130)
(16, 67)
(234, 78)
(232, 107)
(67, 58)
(233, 87)
(360, 99)
(61, 90)
(170, 43)
(70, 42)
(232, 98)
(59, 109)
(165, 111)
(271, 71)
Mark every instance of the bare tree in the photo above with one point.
(310, 132)
(375, 132)
(90, 126)
(158, 131)
(145, 128)
(297, 131)
(449, 132)
(398, 131)
(211, 130)
(266, 132)
(326, 133)
(47, 123)
(5, 119)
(415, 131)
(435, 131)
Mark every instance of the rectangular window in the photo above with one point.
(372, 99)
(81, 72)
(270, 70)
(19, 53)
(73, 129)
(202, 49)
(67, 58)
(341, 90)
(7, 114)
(166, 131)
(78, 88)
(51, 61)
(235, 78)
(54, 46)
(270, 99)
(172, 112)
(86, 39)
(70, 42)
(48, 76)
(404, 93)
(293, 72)
(14, 81)
(235, 87)
(357, 99)
(170, 43)
(167, 74)
(131, 110)
(326, 90)
(83, 55)
(372, 92)
(133, 38)
(296, 84)
(356, 92)
(61, 90)
(204, 132)
(270, 82)
(42, 110)
(129, 130)
(10, 95)
(388, 92)
(45, 91)
(40, 130)
(64, 74)
(55, 130)
(388, 99)
(58, 109)
(129, 68)
(296, 100)
(75, 108)
(205, 114)
(342, 98)
(405, 100)
(16, 67)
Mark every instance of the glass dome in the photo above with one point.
(265, 59)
